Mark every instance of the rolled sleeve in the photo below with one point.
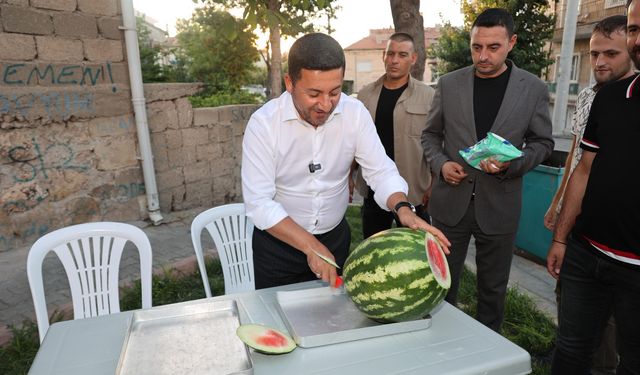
(258, 177)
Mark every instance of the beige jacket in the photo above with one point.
(409, 119)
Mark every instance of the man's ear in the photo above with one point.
(512, 41)
(288, 83)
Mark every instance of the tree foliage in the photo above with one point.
(150, 55)
(533, 26)
(280, 18)
(217, 49)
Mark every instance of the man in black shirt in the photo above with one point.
(596, 242)
(399, 104)
(491, 95)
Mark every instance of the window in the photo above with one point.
(575, 68)
(364, 66)
(614, 3)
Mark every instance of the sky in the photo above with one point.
(352, 22)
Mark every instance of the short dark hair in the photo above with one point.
(610, 25)
(495, 17)
(315, 51)
(401, 37)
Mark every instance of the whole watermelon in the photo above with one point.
(397, 275)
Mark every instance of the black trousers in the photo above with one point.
(592, 285)
(493, 261)
(276, 263)
(375, 219)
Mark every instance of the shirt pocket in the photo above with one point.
(416, 119)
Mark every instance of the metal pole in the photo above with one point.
(140, 111)
(559, 117)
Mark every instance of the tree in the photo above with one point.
(533, 26)
(279, 18)
(407, 19)
(217, 49)
(150, 55)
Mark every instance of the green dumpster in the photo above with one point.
(539, 186)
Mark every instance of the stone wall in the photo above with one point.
(197, 152)
(67, 134)
(68, 141)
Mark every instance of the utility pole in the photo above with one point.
(563, 76)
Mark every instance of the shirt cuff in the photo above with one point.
(267, 215)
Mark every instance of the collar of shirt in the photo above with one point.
(289, 111)
(633, 87)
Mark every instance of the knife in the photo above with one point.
(328, 260)
(339, 281)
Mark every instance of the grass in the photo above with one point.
(524, 324)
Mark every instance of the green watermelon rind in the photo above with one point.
(248, 333)
(393, 290)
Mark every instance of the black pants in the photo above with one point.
(375, 219)
(276, 263)
(493, 261)
(592, 285)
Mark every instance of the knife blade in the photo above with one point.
(328, 260)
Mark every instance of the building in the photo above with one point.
(589, 13)
(160, 38)
(364, 57)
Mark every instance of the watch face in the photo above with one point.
(404, 204)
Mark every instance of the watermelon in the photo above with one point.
(265, 339)
(397, 275)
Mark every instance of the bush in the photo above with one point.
(225, 98)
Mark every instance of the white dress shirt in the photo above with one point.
(279, 146)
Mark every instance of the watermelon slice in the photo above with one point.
(265, 339)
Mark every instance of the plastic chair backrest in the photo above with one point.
(231, 231)
(90, 254)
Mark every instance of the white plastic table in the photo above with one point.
(454, 344)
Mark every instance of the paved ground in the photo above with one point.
(171, 244)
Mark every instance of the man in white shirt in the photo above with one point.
(297, 151)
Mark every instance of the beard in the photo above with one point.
(635, 56)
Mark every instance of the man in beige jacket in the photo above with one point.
(398, 104)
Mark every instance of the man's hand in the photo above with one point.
(453, 173)
(321, 268)
(411, 220)
(492, 166)
(555, 258)
(550, 218)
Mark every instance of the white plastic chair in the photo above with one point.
(231, 232)
(90, 254)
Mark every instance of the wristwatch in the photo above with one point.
(403, 204)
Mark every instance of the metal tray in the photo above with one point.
(324, 316)
(188, 339)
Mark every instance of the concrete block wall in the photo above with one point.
(68, 141)
(68, 145)
(197, 152)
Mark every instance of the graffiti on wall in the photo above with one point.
(35, 230)
(56, 104)
(57, 75)
(33, 160)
